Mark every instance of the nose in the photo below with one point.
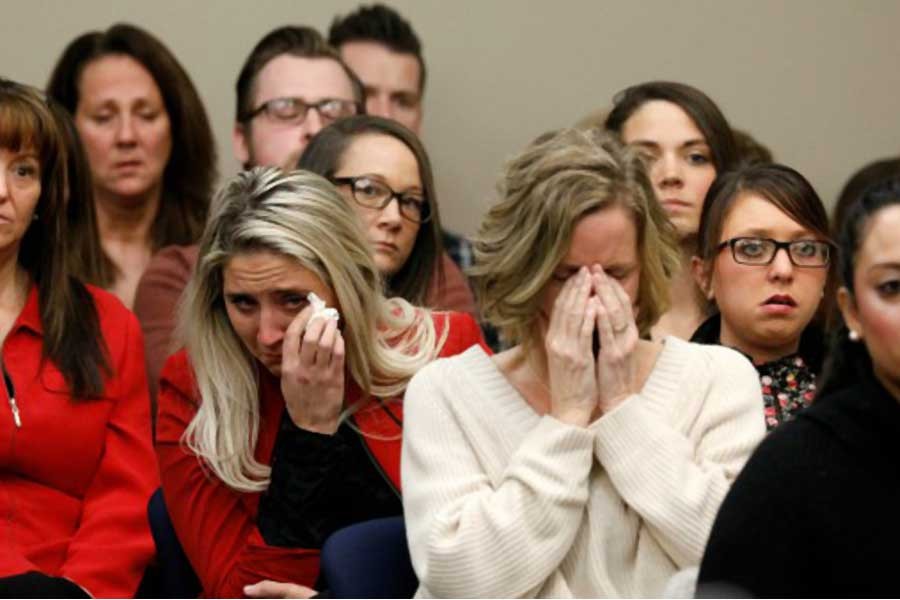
(379, 105)
(4, 190)
(312, 124)
(389, 216)
(669, 173)
(271, 330)
(781, 268)
(125, 133)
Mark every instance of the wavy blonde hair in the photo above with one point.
(544, 192)
(302, 216)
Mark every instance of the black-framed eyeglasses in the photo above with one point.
(293, 110)
(761, 251)
(371, 193)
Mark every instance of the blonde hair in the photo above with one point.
(302, 216)
(556, 181)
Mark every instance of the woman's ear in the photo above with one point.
(847, 304)
(703, 276)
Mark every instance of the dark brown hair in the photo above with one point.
(303, 42)
(71, 338)
(90, 264)
(190, 174)
(698, 106)
(859, 183)
(323, 157)
(383, 25)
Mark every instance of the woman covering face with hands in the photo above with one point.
(280, 422)
(548, 470)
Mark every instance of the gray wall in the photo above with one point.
(817, 81)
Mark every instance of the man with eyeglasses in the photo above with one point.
(291, 86)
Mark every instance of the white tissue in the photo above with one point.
(320, 310)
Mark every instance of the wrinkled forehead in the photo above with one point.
(310, 78)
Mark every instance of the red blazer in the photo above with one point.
(216, 524)
(75, 477)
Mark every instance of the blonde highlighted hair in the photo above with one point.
(302, 216)
(544, 192)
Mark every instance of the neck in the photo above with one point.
(891, 384)
(127, 219)
(14, 283)
(761, 354)
(687, 306)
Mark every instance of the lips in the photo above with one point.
(386, 246)
(128, 164)
(781, 300)
(675, 203)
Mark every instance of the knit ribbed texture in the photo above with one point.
(502, 502)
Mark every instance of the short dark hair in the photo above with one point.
(190, 174)
(699, 107)
(295, 40)
(381, 24)
(323, 156)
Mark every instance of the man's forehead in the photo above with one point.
(371, 59)
(312, 79)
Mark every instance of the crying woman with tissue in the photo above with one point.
(280, 421)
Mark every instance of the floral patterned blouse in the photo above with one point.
(789, 383)
(788, 386)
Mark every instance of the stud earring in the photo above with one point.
(853, 335)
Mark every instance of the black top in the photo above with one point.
(788, 383)
(319, 484)
(816, 510)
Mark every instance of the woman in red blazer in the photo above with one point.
(76, 460)
(280, 421)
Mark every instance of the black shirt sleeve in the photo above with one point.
(319, 484)
(294, 511)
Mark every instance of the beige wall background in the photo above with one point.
(817, 81)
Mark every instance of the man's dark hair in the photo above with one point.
(383, 25)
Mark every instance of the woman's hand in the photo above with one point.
(274, 589)
(617, 362)
(570, 362)
(312, 372)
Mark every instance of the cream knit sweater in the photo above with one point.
(502, 502)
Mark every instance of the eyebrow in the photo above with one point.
(686, 144)
(889, 265)
(382, 179)
(766, 233)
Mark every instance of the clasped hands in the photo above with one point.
(583, 387)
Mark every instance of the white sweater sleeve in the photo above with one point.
(674, 482)
(468, 535)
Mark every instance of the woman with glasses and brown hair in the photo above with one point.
(765, 259)
(384, 172)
